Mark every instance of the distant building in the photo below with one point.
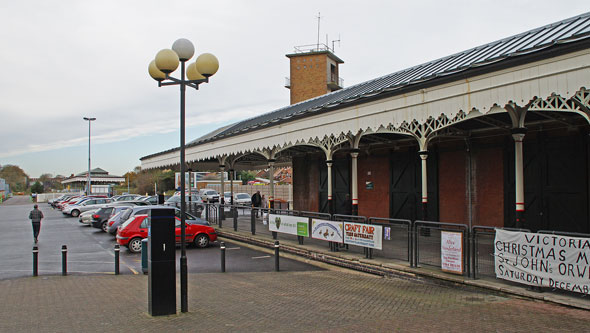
(99, 178)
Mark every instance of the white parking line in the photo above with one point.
(232, 248)
(261, 257)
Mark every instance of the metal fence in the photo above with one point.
(417, 243)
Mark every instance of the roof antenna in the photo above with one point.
(319, 18)
(334, 41)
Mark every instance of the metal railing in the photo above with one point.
(427, 243)
(482, 250)
(417, 243)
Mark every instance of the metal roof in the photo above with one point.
(565, 31)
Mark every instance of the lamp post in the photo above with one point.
(88, 186)
(166, 62)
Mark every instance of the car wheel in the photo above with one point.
(201, 241)
(134, 245)
(104, 226)
(75, 213)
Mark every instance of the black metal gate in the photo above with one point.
(406, 186)
(556, 183)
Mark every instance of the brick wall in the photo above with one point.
(308, 77)
(452, 178)
(374, 202)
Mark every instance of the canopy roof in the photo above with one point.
(505, 52)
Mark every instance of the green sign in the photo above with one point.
(302, 229)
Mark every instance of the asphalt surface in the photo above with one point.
(91, 251)
(310, 300)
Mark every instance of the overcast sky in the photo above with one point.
(64, 60)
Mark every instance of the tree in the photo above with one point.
(37, 187)
(15, 177)
(246, 176)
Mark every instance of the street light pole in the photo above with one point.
(88, 184)
(206, 65)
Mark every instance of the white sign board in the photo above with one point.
(327, 230)
(451, 252)
(543, 260)
(293, 225)
(366, 235)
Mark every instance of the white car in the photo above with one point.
(243, 199)
(209, 195)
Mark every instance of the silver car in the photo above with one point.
(86, 217)
(85, 206)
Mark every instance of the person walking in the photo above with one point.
(36, 215)
(256, 201)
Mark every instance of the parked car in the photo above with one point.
(84, 206)
(209, 195)
(116, 220)
(102, 215)
(195, 204)
(55, 200)
(242, 199)
(127, 197)
(152, 199)
(130, 203)
(135, 229)
(86, 217)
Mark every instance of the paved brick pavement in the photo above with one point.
(322, 301)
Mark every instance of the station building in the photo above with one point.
(497, 135)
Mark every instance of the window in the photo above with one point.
(144, 224)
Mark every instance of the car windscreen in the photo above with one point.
(243, 196)
(104, 211)
(126, 214)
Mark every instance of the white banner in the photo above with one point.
(366, 235)
(451, 252)
(293, 225)
(327, 230)
(543, 260)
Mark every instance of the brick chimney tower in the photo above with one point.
(314, 72)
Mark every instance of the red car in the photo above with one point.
(135, 229)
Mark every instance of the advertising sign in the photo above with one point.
(286, 224)
(451, 252)
(543, 260)
(366, 235)
(327, 230)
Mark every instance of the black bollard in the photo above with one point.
(117, 250)
(64, 260)
(253, 221)
(235, 216)
(222, 247)
(35, 260)
(276, 256)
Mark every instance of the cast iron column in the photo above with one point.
(424, 156)
(271, 171)
(355, 189)
(330, 203)
(518, 135)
